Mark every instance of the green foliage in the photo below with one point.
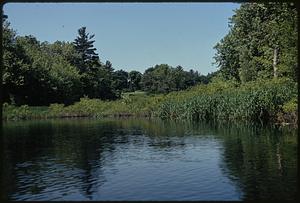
(256, 79)
(252, 101)
(134, 78)
(96, 78)
(84, 46)
(164, 79)
(12, 113)
(50, 77)
(227, 57)
(120, 80)
(38, 73)
(56, 110)
(247, 52)
(66, 81)
(15, 65)
(291, 106)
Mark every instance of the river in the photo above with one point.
(140, 159)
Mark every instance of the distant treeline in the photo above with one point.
(40, 73)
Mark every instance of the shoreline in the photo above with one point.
(269, 101)
(276, 122)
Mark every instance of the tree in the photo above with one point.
(88, 59)
(50, 77)
(164, 78)
(120, 80)
(157, 79)
(108, 66)
(227, 57)
(99, 84)
(95, 77)
(262, 42)
(134, 78)
(38, 73)
(15, 66)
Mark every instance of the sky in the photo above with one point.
(132, 36)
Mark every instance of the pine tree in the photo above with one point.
(87, 58)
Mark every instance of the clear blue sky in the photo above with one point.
(133, 36)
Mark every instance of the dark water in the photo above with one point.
(146, 160)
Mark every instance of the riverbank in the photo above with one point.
(267, 100)
(135, 105)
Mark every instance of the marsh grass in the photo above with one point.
(260, 100)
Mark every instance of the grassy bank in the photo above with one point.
(272, 100)
(134, 104)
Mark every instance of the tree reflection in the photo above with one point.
(58, 152)
(262, 161)
(70, 156)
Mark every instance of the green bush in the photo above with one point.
(11, 112)
(291, 106)
(56, 110)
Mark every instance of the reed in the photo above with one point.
(254, 101)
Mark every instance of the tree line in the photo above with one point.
(261, 44)
(40, 73)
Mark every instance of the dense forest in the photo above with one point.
(256, 76)
(40, 73)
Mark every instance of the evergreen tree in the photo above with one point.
(108, 66)
(88, 59)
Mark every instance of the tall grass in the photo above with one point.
(129, 105)
(259, 100)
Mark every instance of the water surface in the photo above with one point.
(139, 159)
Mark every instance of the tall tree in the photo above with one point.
(15, 66)
(262, 42)
(88, 58)
(227, 57)
(95, 77)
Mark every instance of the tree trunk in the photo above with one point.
(275, 61)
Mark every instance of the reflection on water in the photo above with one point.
(146, 160)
